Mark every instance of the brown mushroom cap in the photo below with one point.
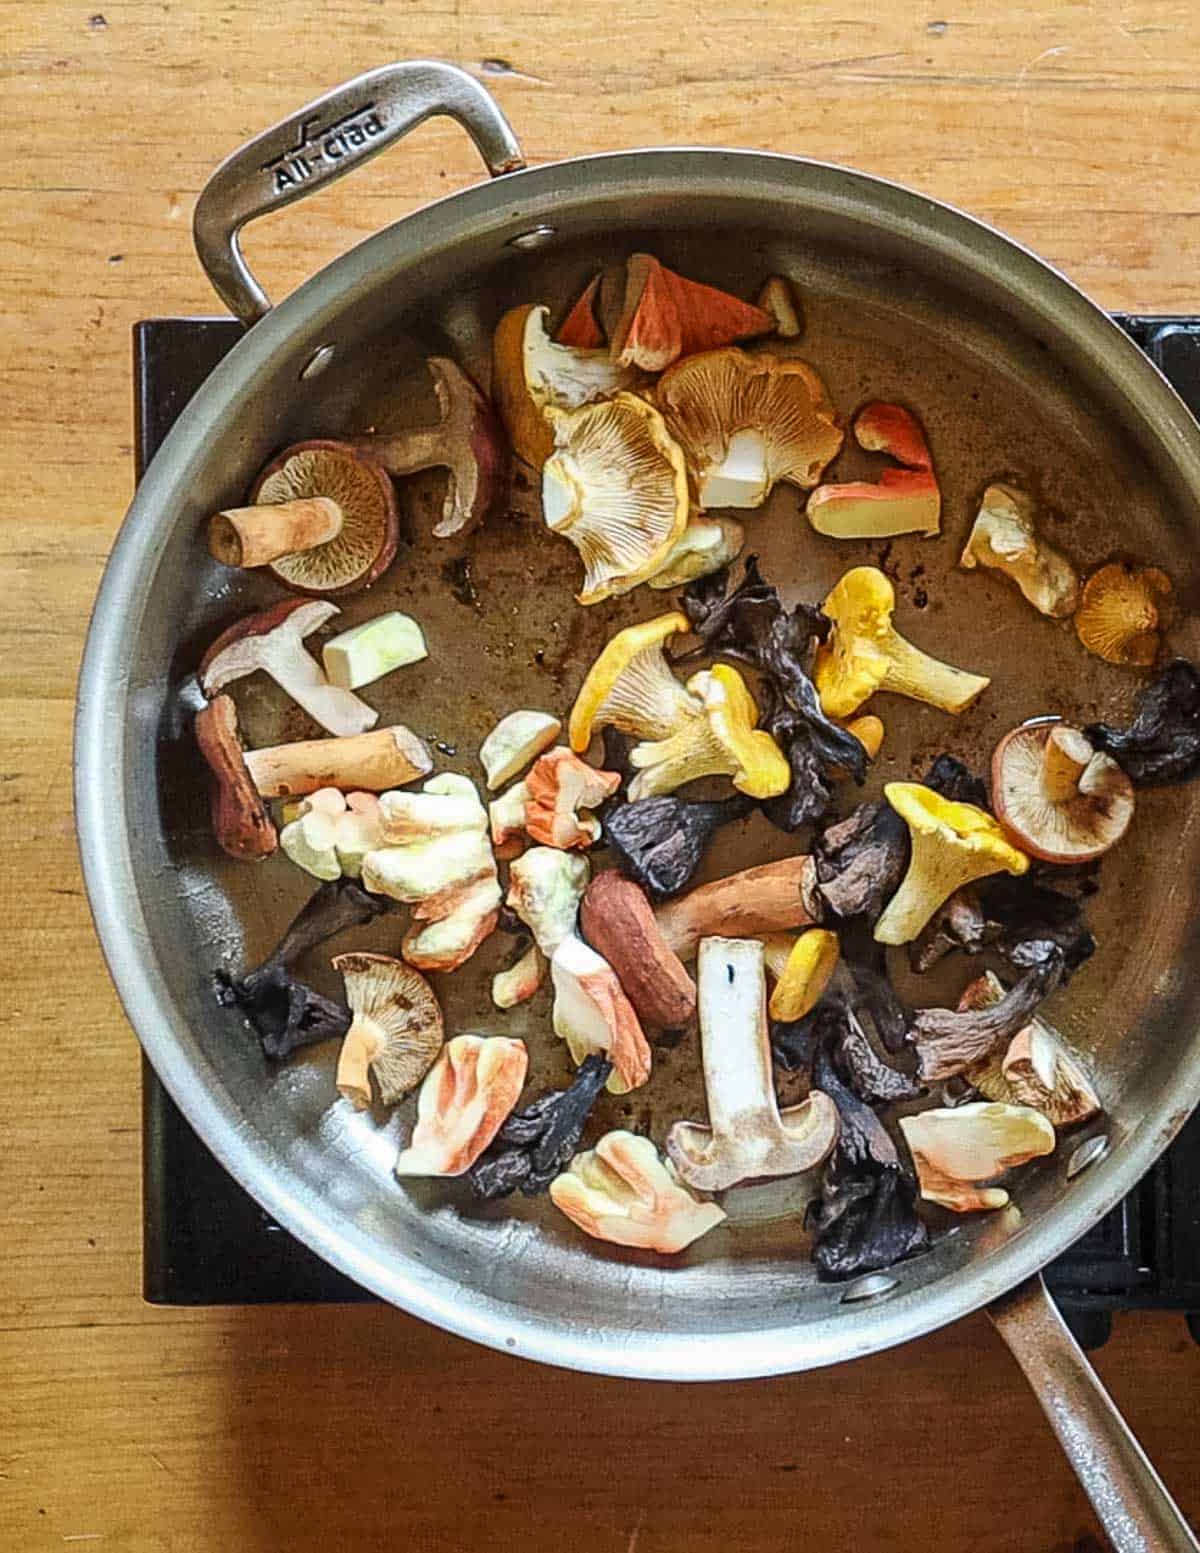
(366, 545)
(1056, 796)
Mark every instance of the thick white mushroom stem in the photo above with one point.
(256, 536)
(364, 1041)
(1066, 757)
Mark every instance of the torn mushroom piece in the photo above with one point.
(704, 547)
(514, 742)
(1057, 797)
(747, 422)
(666, 316)
(719, 740)
(659, 842)
(273, 641)
(804, 975)
(545, 887)
(531, 374)
(1004, 539)
(396, 1032)
(760, 900)
(355, 555)
(616, 486)
(471, 1088)
(747, 1137)
(618, 922)
(778, 300)
(1036, 1069)
(538, 1142)
(956, 1151)
(561, 790)
(331, 833)
(949, 1041)
(468, 442)
(631, 688)
(593, 1014)
(521, 980)
(1162, 743)
(865, 654)
(580, 328)
(622, 1192)
(859, 862)
(240, 821)
(1118, 614)
(377, 647)
(952, 844)
(902, 501)
(385, 757)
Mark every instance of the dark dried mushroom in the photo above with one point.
(952, 779)
(1162, 743)
(660, 841)
(834, 1025)
(958, 923)
(948, 1040)
(861, 860)
(536, 1144)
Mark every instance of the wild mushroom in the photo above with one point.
(1057, 797)
(631, 688)
(536, 1143)
(1037, 1069)
(593, 1014)
(746, 422)
(950, 1041)
(396, 1030)
(455, 924)
(468, 442)
(545, 887)
(778, 300)
(560, 792)
(531, 374)
(1162, 743)
(515, 741)
(322, 517)
(704, 547)
(616, 486)
(369, 762)
(1004, 539)
(355, 555)
(952, 843)
(1118, 614)
(580, 328)
(747, 1137)
(659, 842)
(860, 861)
(805, 974)
(956, 1149)
(622, 1192)
(471, 1088)
(273, 640)
(719, 740)
(758, 900)
(618, 922)
(368, 651)
(240, 820)
(521, 980)
(903, 501)
(666, 316)
(865, 654)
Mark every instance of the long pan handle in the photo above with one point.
(1127, 1494)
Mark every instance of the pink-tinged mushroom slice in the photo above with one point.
(622, 1192)
(592, 1014)
(903, 501)
(666, 316)
(463, 1103)
(561, 789)
(957, 1150)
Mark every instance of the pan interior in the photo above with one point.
(998, 399)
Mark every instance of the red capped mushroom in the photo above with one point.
(579, 328)
(902, 501)
(1058, 797)
(667, 316)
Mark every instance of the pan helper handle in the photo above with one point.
(325, 140)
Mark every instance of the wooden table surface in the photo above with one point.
(1073, 125)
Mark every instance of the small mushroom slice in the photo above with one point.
(705, 546)
(1037, 1069)
(630, 686)
(804, 975)
(1118, 614)
(666, 316)
(364, 545)
(240, 820)
(521, 980)
(472, 1087)
(778, 300)
(903, 501)
(593, 1014)
(580, 329)
(514, 742)
(747, 1137)
(1057, 797)
(622, 1192)
(957, 1149)
(468, 442)
(561, 790)
(273, 640)
(395, 1033)
(1004, 539)
(368, 651)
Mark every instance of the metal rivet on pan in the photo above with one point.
(534, 238)
(317, 362)
(869, 1287)
(1087, 1154)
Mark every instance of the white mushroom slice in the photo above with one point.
(368, 651)
(704, 547)
(464, 1101)
(1036, 1069)
(955, 1150)
(461, 920)
(592, 1014)
(622, 1192)
(514, 743)
(545, 887)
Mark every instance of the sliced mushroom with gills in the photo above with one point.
(958, 1150)
(705, 546)
(467, 1094)
(293, 504)
(630, 686)
(666, 316)
(593, 1014)
(1036, 1069)
(1118, 617)
(902, 501)
(615, 485)
(747, 422)
(1004, 539)
(747, 1136)
(618, 922)
(865, 653)
(468, 442)
(395, 1033)
(1056, 796)
(240, 821)
(622, 1192)
(273, 640)
(766, 899)
(515, 741)
(370, 762)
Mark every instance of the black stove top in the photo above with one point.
(206, 1242)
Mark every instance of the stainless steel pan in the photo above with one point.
(1015, 372)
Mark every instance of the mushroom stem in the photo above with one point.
(1064, 760)
(365, 762)
(364, 1042)
(256, 536)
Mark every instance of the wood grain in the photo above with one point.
(1073, 126)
